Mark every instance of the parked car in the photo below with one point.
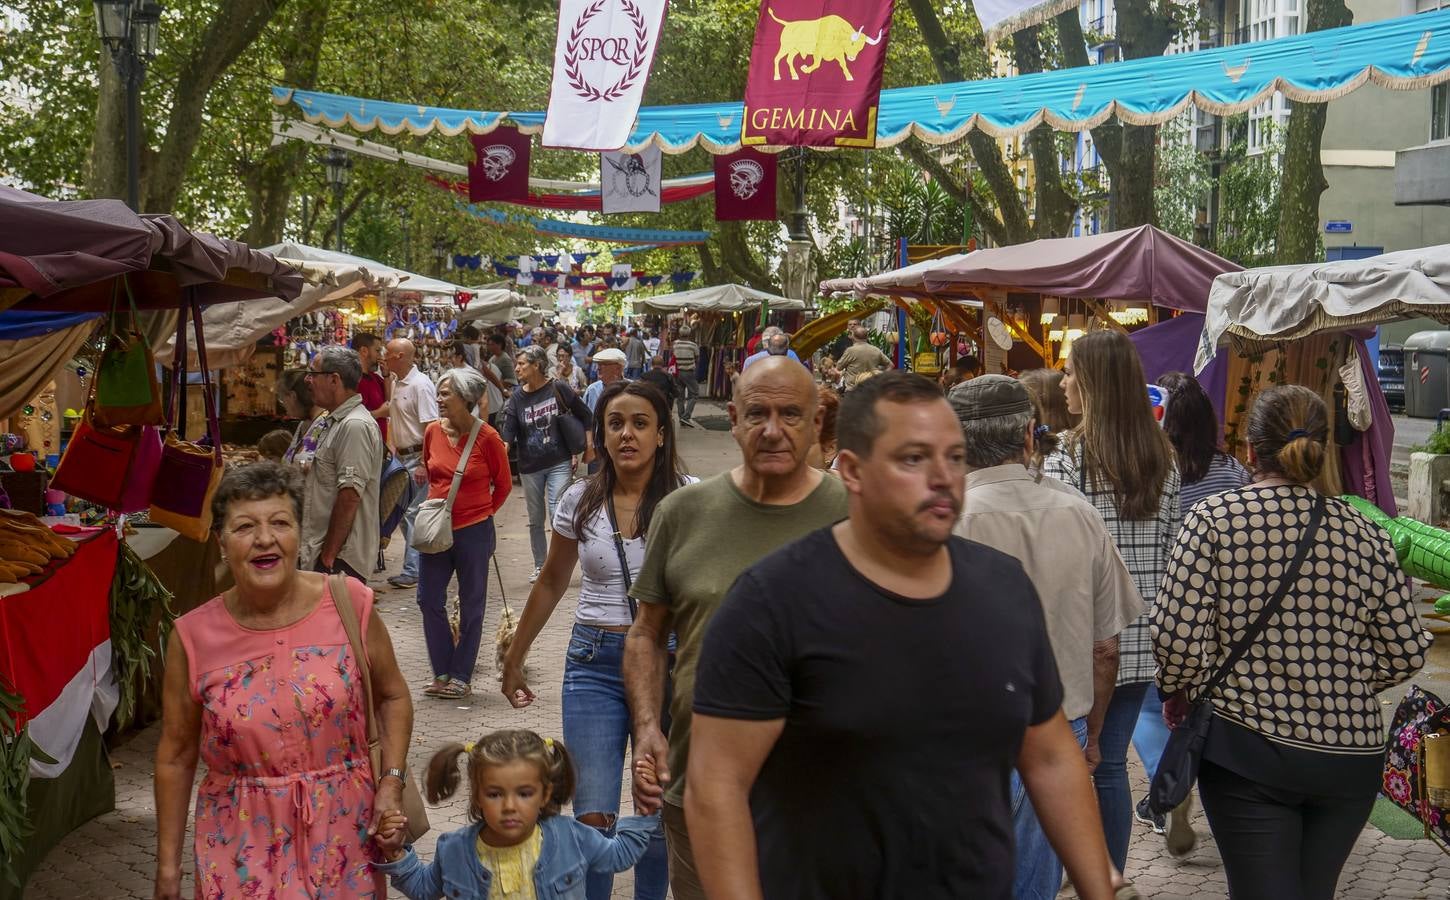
(1392, 375)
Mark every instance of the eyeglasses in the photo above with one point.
(314, 373)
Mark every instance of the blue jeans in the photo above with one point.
(542, 491)
(413, 497)
(468, 558)
(1115, 798)
(1038, 871)
(596, 731)
(1150, 735)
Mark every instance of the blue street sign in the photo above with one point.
(1340, 227)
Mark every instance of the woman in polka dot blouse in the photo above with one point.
(1295, 751)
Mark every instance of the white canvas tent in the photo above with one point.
(435, 291)
(719, 298)
(233, 329)
(1283, 303)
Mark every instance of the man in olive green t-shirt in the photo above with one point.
(860, 358)
(700, 539)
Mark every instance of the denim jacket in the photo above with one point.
(570, 849)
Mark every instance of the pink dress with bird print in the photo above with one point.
(284, 808)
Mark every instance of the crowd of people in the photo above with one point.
(901, 649)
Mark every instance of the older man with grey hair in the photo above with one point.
(1087, 594)
(340, 511)
(773, 342)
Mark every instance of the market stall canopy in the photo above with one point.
(64, 255)
(908, 281)
(435, 290)
(1409, 53)
(719, 298)
(1283, 303)
(233, 329)
(1142, 263)
(489, 307)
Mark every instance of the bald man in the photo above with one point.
(414, 405)
(701, 537)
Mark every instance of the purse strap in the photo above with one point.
(342, 602)
(1286, 581)
(178, 375)
(623, 559)
(462, 463)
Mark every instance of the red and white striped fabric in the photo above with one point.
(55, 649)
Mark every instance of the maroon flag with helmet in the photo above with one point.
(500, 167)
(815, 73)
(745, 186)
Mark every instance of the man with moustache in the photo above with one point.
(865, 693)
(700, 538)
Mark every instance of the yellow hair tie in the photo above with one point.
(549, 743)
(468, 746)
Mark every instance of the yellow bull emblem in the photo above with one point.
(829, 38)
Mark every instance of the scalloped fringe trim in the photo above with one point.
(1034, 15)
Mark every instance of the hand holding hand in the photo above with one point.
(387, 801)
(651, 772)
(392, 834)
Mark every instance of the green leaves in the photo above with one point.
(139, 602)
(16, 750)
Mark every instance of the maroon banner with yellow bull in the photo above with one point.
(815, 73)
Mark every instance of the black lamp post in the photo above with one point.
(339, 173)
(440, 254)
(405, 216)
(130, 29)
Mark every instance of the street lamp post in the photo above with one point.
(440, 254)
(339, 172)
(130, 29)
(405, 216)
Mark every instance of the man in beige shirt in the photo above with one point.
(1087, 595)
(340, 509)
(860, 358)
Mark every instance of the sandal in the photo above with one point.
(455, 690)
(437, 686)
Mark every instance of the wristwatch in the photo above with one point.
(395, 772)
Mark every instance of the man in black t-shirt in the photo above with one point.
(863, 694)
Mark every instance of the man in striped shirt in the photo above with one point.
(687, 358)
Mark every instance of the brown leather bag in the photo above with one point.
(413, 806)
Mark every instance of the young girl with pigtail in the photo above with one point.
(518, 845)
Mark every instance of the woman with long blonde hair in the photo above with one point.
(1123, 463)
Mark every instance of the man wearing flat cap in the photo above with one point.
(1087, 595)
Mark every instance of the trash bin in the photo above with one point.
(1427, 373)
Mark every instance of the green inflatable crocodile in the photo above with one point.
(1423, 550)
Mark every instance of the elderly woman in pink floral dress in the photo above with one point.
(261, 683)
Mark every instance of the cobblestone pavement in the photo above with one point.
(114, 855)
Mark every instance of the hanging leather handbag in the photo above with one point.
(127, 392)
(413, 806)
(433, 528)
(1178, 767)
(113, 467)
(189, 472)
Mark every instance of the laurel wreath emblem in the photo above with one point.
(632, 72)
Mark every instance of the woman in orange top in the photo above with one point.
(463, 406)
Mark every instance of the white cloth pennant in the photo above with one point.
(630, 182)
(621, 277)
(602, 57)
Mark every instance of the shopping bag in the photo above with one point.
(127, 392)
(114, 467)
(1420, 713)
(189, 472)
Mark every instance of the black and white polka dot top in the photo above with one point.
(1346, 629)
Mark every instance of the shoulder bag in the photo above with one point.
(1178, 767)
(413, 806)
(127, 392)
(570, 428)
(433, 528)
(189, 472)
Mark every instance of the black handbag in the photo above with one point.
(570, 428)
(1178, 767)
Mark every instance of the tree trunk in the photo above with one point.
(268, 180)
(737, 257)
(1054, 206)
(233, 28)
(1301, 180)
(108, 141)
(985, 149)
(1134, 191)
